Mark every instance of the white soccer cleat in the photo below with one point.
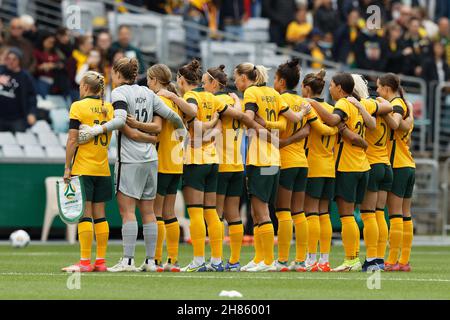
(249, 265)
(262, 267)
(281, 266)
(148, 266)
(124, 265)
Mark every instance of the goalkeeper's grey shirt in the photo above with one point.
(141, 103)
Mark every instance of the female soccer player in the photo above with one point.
(90, 161)
(321, 176)
(352, 166)
(170, 166)
(380, 176)
(401, 123)
(136, 168)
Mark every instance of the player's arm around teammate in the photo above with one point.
(90, 161)
(403, 167)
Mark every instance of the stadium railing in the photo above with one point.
(445, 190)
(441, 117)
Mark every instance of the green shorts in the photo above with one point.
(380, 177)
(320, 188)
(262, 182)
(230, 184)
(294, 179)
(97, 188)
(168, 183)
(351, 186)
(403, 183)
(201, 177)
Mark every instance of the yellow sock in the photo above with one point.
(349, 236)
(172, 239)
(267, 235)
(85, 236)
(395, 238)
(101, 229)
(370, 233)
(284, 234)
(408, 230)
(214, 232)
(301, 235)
(326, 233)
(382, 233)
(313, 231)
(357, 239)
(160, 239)
(236, 232)
(257, 243)
(198, 230)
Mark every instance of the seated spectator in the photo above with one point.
(325, 17)
(17, 94)
(48, 64)
(17, 40)
(231, 16)
(418, 48)
(84, 45)
(345, 38)
(64, 44)
(429, 28)
(94, 62)
(298, 30)
(370, 50)
(435, 67)
(280, 14)
(30, 31)
(444, 36)
(318, 45)
(103, 45)
(395, 48)
(124, 43)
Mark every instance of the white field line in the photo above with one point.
(191, 276)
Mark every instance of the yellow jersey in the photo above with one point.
(320, 145)
(297, 32)
(267, 103)
(350, 158)
(376, 138)
(207, 104)
(229, 147)
(170, 150)
(91, 159)
(398, 143)
(293, 155)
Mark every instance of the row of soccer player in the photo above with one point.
(302, 153)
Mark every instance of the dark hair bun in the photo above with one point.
(321, 74)
(194, 65)
(222, 67)
(294, 63)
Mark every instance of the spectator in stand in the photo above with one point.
(298, 30)
(402, 14)
(94, 62)
(319, 46)
(325, 17)
(17, 40)
(395, 48)
(79, 57)
(435, 67)
(418, 48)
(30, 31)
(103, 45)
(280, 14)
(345, 38)
(124, 43)
(370, 50)
(444, 36)
(429, 28)
(231, 17)
(64, 44)
(3, 52)
(17, 94)
(48, 64)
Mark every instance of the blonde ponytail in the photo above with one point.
(96, 83)
(258, 74)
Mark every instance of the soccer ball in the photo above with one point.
(19, 239)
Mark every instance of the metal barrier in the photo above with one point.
(445, 198)
(438, 117)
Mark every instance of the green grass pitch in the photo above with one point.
(34, 273)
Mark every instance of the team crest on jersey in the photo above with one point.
(69, 191)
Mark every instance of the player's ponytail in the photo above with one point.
(257, 74)
(316, 81)
(392, 81)
(219, 75)
(96, 83)
(290, 72)
(360, 90)
(163, 75)
(128, 68)
(191, 72)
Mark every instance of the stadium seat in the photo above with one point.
(7, 138)
(256, 30)
(41, 126)
(55, 152)
(51, 211)
(48, 139)
(60, 119)
(63, 139)
(34, 152)
(26, 139)
(12, 151)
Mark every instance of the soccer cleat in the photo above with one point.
(281, 266)
(148, 266)
(324, 267)
(391, 267)
(215, 267)
(79, 267)
(404, 267)
(171, 267)
(348, 265)
(380, 263)
(100, 266)
(124, 265)
(312, 267)
(298, 266)
(233, 267)
(249, 265)
(191, 267)
(262, 267)
(370, 266)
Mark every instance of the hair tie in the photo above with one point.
(254, 67)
